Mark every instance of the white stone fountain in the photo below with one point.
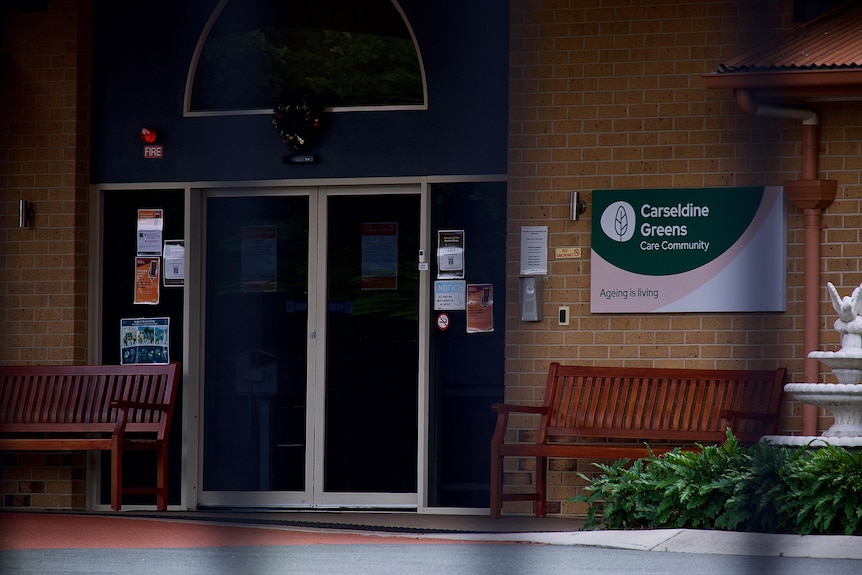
(842, 399)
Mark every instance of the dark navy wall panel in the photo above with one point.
(142, 54)
(467, 369)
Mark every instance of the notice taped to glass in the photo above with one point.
(480, 308)
(144, 340)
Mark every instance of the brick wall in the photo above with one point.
(609, 95)
(603, 95)
(42, 480)
(44, 159)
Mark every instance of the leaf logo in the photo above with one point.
(621, 222)
(618, 221)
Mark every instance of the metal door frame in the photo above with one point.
(313, 496)
(321, 498)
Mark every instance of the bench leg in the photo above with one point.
(116, 478)
(496, 484)
(541, 486)
(162, 479)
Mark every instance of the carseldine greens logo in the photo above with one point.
(666, 232)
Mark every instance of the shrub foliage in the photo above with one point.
(760, 488)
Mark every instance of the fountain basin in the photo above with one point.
(844, 401)
(812, 440)
(845, 364)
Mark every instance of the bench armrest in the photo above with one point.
(733, 416)
(511, 408)
(123, 406)
(503, 410)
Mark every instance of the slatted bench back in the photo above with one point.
(61, 398)
(655, 403)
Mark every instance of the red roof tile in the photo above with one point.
(829, 42)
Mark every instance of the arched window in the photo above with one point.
(255, 55)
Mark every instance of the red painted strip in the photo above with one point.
(45, 531)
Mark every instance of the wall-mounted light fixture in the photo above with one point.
(577, 208)
(25, 213)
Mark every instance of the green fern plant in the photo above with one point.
(761, 488)
(759, 498)
(612, 497)
(676, 489)
(825, 491)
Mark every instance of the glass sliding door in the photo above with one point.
(312, 345)
(255, 405)
(372, 344)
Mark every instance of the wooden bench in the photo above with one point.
(115, 408)
(614, 413)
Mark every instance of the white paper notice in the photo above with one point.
(174, 272)
(534, 250)
(259, 262)
(150, 225)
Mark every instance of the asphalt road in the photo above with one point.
(116, 544)
(405, 559)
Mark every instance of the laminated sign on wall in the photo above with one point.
(688, 250)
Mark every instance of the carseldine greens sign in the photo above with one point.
(684, 250)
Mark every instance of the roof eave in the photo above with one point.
(802, 84)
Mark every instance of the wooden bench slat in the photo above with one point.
(22, 404)
(603, 404)
(85, 398)
(694, 404)
(57, 427)
(55, 444)
(47, 403)
(602, 412)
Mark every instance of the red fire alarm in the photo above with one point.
(148, 135)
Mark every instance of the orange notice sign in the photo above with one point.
(379, 256)
(147, 273)
(480, 308)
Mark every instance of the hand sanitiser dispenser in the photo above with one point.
(531, 298)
